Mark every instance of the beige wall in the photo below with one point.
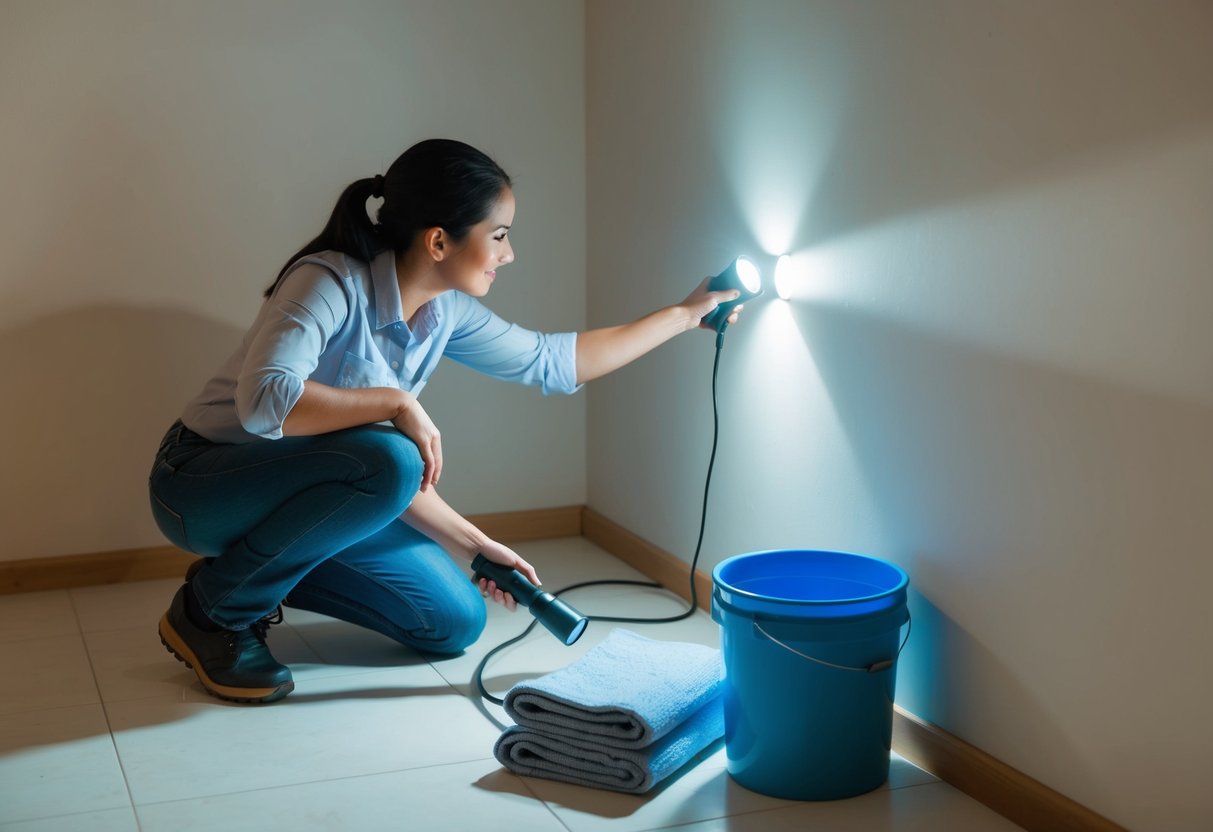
(159, 162)
(998, 373)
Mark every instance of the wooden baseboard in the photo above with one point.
(651, 561)
(1010, 792)
(39, 574)
(534, 524)
(1006, 790)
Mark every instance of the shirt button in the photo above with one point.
(395, 365)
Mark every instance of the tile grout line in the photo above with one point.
(314, 782)
(88, 654)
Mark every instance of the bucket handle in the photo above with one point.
(875, 667)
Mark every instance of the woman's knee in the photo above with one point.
(458, 623)
(389, 463)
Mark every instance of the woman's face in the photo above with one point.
(473, 267)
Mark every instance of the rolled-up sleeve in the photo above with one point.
(290, 334)
(483, 341)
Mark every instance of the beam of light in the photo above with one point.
(782, 381)
(773, 133)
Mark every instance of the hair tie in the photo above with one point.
(378, 191)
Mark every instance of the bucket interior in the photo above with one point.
(792, 587)
(786, 579)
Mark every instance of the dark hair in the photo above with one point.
(435, 183)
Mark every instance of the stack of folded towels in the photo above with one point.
(625, 716)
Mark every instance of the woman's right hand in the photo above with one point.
(703, 301)
(504, 555)
(415, 423)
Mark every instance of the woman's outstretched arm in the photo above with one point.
(600, 351)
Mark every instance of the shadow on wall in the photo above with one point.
(973, 116)
(1055, 530)
(89, 393)
(872, 111)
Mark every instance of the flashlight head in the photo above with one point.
(741, 275)
(559, 618)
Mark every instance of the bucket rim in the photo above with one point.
(718, 583)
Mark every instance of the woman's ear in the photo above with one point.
(435, 242)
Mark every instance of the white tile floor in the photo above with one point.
(102, 730)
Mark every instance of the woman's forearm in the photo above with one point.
(430, 515)
(600, 351)
(323, 409)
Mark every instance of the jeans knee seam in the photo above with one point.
(427, 620)
(290, 543)
(368, 611)
(421, 616)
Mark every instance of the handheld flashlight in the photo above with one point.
(742, 275)
(562, 621)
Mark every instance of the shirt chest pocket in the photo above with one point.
(358, 372)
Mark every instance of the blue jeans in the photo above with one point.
(313, 521)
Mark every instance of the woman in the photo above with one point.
(305, 470)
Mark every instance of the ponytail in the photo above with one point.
(349, 229)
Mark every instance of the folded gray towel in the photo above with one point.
(534, 753)
(626, 692)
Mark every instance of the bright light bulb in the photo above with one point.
(784, 277)
(747, 272)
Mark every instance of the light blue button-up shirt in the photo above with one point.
(338, 321)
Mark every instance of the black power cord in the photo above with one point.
(478, 676)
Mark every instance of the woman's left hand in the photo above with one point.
(504, 555)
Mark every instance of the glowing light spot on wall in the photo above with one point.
(806, 276)
(799, 276)
(783, 277)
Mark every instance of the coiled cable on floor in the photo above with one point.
(478, 676)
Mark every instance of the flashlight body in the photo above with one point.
(718, 318)
(559, 618)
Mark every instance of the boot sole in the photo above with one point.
(181, 651)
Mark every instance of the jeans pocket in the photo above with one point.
(171, 524)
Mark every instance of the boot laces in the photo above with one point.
(261, 627)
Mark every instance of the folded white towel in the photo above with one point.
(534, 753)
(626, 692)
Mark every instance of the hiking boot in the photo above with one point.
(194, 567)
(231, 664)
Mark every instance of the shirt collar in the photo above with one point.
(388, 310)
(427, 321)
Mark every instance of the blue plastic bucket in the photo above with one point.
(810, 642)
